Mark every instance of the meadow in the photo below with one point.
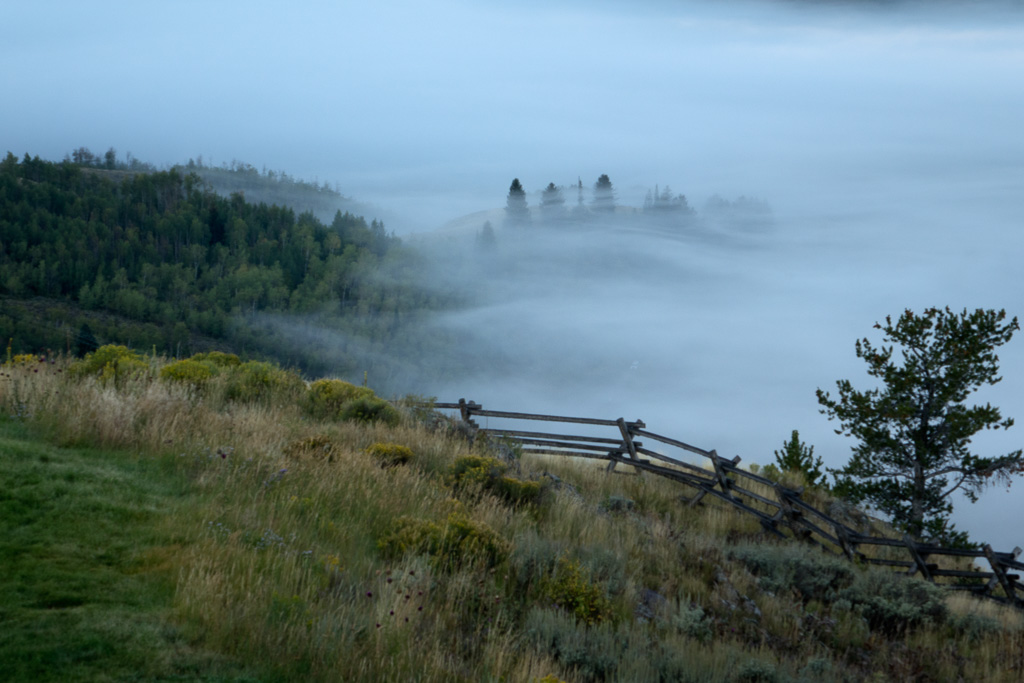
(215, 520)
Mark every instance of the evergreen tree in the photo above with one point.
(485, 239)
(797, 457)
(552, 203)
(517, 213)
(604, 195)
(915, 430)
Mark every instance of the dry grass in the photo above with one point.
(280, 562)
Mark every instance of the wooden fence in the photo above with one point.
(776, 507)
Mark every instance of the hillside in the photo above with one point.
(250, 526)
(157, 259)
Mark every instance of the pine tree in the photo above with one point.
(797, 457)
(517, 212)
(604, 195)
(552, 204)
(914, 431)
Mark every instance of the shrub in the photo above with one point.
(320, 447)
(489, 473)
(892, 602)
(370, 409)
(390, 454)
(572, 590)
(110, 362)
(188, 371)
(326, 398)
(258, 381)
(458, 541)
(814, 575)
(217, 359)
(593, 652)
(690, 620)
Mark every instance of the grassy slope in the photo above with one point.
(88, 581)
(176, 533)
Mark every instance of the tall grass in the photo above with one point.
(281, 555)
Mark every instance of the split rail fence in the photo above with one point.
(776, 507)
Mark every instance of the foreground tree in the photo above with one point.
(914, 431)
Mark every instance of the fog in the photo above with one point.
(885, 137)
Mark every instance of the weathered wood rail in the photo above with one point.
(779, 509)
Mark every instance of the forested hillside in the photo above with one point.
(90, 254)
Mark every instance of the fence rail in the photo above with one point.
(777, 508)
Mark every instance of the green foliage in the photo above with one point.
(259, 381)
(217, 359)
(593, 653)
(110, 363)
(571, 589)
(913, 433)
(318, 447)
(188, 371)
(155, 258)
(797, 457)
(459, 542)
(780, 568)
(892, 603)
(489, 474)
(390, 454)
(327, 398)
(691, 621)
(757, 671)
(371, 409)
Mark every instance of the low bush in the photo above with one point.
(593, 653)
(490, 475)
(454, 544)
(390, 454)
(370, 409)
(188, 371)
(110, 363)
(258, 381)
(319, 447)
(893, 603)
(812, 574)
(571, 589)
(326, 398)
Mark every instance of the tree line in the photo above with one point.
(170, 260)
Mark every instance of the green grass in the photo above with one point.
(88, 574)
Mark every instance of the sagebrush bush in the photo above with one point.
(188, 371)
(812, 574)
(110, 363)
(893, 602)
(390, 454)
(258, 381)
(371, 409)
(490, 475)
(592, 652)
(217, 359)
(327, 398)
(319, 447)
(571, 589)
(458, 542)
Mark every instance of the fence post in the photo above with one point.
(790, 513)
(723, 480)
(848, 546)
(920, 564)
(1000, 574)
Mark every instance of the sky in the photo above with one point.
(885, 136)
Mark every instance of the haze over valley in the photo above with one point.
(880, 143)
